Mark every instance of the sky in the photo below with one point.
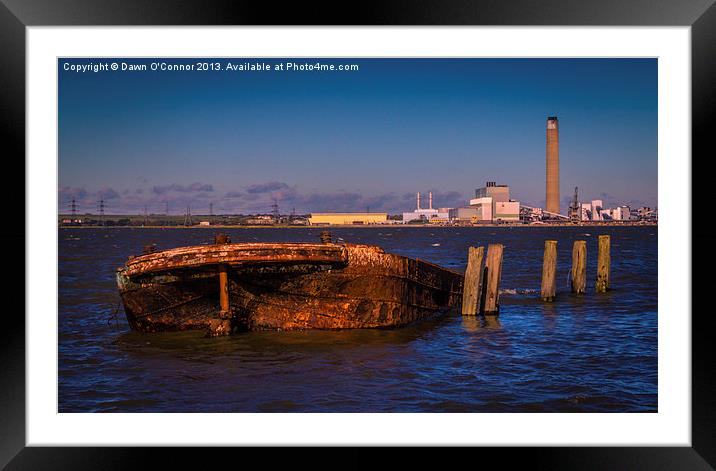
(349, 140)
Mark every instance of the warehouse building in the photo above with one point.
(327, 219)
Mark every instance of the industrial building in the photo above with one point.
(469, 214)
(586, 214)
(597, 210)
(327, 219)
(494, 191)
(552, 174)
(594, 211)
(620, 213)
(483, 206)
(425, 214)
(591, 211)
(494, 204)
(507, 211)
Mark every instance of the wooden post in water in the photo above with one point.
(603, 264)
(549, 271)
(579, 267)
(491, 283)
(471, 285)
(223, 291)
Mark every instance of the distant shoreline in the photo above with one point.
(363, 226)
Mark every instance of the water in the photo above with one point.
(593, 353)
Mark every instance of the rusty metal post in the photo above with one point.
(221, 324)
(223, 291)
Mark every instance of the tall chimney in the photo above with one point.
(552, 180)
(431, 200)
(418, 201)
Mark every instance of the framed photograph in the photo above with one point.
(464, 225)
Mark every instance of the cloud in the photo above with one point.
(449, 199)
(66, 193)
(257, 198)
(267, 187)
(388, 200)
(336, 202)
(638, 203)
(107, 194)
(347, 201)
(177, 188)
(608, 199)
(279, 191)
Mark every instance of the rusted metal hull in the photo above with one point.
(284, 287)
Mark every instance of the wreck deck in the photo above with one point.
(233, 254)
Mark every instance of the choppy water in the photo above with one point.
(593, 353)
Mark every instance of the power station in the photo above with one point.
(492, 204)
(552, 200)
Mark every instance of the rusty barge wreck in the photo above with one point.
(232, 287)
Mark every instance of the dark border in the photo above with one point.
(15, 15)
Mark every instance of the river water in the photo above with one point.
(590, 353)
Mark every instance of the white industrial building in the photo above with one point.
(597, 210)
(586, 214)
(506, 211)
(483, 207)
(497, 198)
(620, 213)
(426, 214)
(471, 214)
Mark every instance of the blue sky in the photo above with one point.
(345, 140)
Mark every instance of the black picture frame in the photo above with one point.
(16, 15)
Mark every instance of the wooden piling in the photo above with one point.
(223, 291)
(549, 271)
(471, 285)
(603, 264)
(493, 272)
(579, 267)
